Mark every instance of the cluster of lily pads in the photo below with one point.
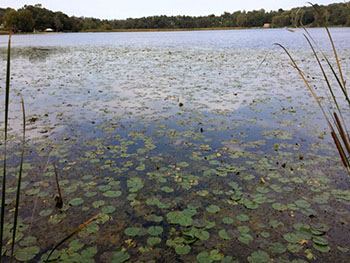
(180, 165)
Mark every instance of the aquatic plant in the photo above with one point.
(19, 182)
(334, 118)
(7, 96)
(75, 231)
(18, 190)
(58, 199)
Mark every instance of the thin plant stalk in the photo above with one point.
(37, 197)
(341, 138)
(341, 84)
(59, 201)
(77, 230)
(7, 96)
(333, 46)
(339, 146)
(329, 86)
(19, 183)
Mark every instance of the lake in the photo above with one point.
(193, 146)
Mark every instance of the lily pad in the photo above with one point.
(259, 256)
(120, 257)
(155, 230)
(76, 201)
(213, 209)
(182, 249)
(28, 253)
(152, 241)
(132, 231)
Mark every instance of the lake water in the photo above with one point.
(231, 39)
(197, 146)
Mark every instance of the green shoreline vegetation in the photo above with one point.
(38, 19)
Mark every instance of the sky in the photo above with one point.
(121, 9)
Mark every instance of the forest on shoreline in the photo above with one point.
(37, 18)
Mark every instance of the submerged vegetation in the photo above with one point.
(29, 18)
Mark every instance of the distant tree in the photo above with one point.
(40, 18)
(256, 18)
(308, 17)
(2, 13)
(281, 20)
(24, 20)
(242, 20)
(58, 23)
(10, 18)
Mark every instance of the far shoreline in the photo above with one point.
(156, 30)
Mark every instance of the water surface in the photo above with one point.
(192, 146)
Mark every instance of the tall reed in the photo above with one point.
(7, 97)
(335, 118)
(75, 231)
(19, 183)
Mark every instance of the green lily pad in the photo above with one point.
(112, 193)
(89, 252)
(135, 184)
(152, 241)
(28, 253)
(215, 255)
(320, 240)
(294, 248)
(277, 248)
(227, 220)
(243, 229)
(213, 209)
(120, 257)
(182, 249)
(279, 207)
(155, 230)
(98, 204)
(76, 201)
(202, 235)
(108, 209)
(203, 257)
(167, 189)
(242, 217)
(324, 249)
(45, 212)
(245, 238)
(302, 203)
(223, 234)
(265, 234)
(132, 231)
(259, 256)
(75, 245)
(291, 237)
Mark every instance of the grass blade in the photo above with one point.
(307, 83)
(340, 149)
(333, 46)
(7, 96)
(342, 133)
(19, 183)
(326, 79)
(342, 87)
(77, 230)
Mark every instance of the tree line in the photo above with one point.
(37, 18)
